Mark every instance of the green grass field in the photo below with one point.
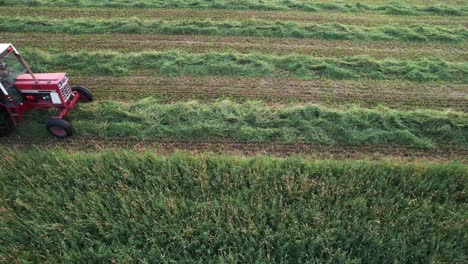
(250, 131)
(122, 206)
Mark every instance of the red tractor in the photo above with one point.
(21, 90)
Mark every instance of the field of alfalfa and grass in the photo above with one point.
(242, 131)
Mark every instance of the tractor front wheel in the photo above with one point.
(85, 94)
(59, 128)
(6, 123)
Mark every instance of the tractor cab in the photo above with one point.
(21, 90)
(10, 68)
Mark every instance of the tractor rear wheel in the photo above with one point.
(6, 123)
(85, 94)
(59, 128)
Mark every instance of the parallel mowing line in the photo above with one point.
(368, 93)
(383, 153)
(369, 19)
(230, 63)
(419, 33)
(391, 9)
(455, 52)
(257, 122)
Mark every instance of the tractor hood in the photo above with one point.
(41, 77)
(44, 81)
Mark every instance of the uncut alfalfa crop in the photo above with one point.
(120, 206)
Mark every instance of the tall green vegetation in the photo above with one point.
(423, 33)
(231, 63)
(257, 122)
(119, 206)
(269, 5)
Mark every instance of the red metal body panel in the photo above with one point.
(46, 84)
(46, 81)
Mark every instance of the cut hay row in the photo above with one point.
(123, 206)
(257, 122)
(396, 9)
(416, 33)
(235, 64)
(367, 93)
(367, 19)
(455, 52)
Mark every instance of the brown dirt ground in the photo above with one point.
(202, 44)
(379, 152)
(369, 93)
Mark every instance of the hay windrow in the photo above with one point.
(392, 8)
(414, 33)
(257, 122)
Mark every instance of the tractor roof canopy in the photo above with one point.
(6, 49)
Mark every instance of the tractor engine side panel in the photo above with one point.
(46, 91)
(40, 94)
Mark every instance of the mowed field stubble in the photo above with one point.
(242, 131)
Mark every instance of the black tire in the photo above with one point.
(85, 94)
(6, 123)
(59, 128)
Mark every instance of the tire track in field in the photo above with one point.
(241, 148)
(399, 95)
(364, 19)
(203, 44)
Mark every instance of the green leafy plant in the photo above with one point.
(125, 206)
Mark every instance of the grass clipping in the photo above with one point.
(420, 33)
(174, 63)
(392, 8)
(257, 122)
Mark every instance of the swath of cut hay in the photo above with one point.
(258, 122)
